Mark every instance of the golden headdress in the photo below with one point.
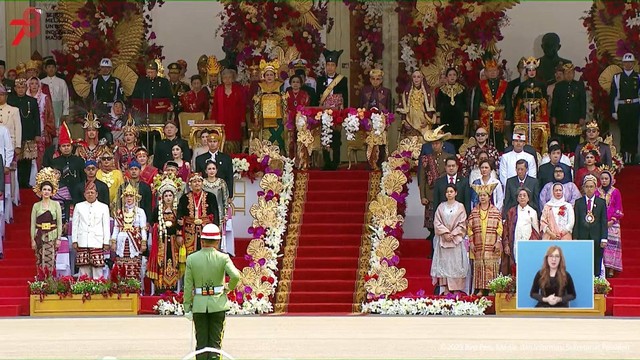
(590, 147)
(45, 175)
(590, 178)
(21, 68)
(436, 134)
(568, 67)
(592, 125)
(531, 63)
(214, 135)
(31, 65)
(490, 64)
(130, 126)
(168, 182)
(484, 189)
(607, 169)
(129, 190)
(106, 151)
(195, 176)
(91, 121)
(376, 72)
(213, 66)
(272, 66)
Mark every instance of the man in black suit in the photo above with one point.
(591, 220)
(451, 177)
(333, 91)
(90, 171)
(545, 172)
(515, 183)
(162, 152)
(222, 160)
(144, 190)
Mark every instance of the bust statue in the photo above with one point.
(548, 62)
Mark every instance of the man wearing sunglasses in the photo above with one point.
(592, 134)
(482, 144)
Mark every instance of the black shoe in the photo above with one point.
(1, 256)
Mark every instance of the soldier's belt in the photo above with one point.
(569, 129)
(46, 226)
(491, 108)
(208, 291)
(196, 221)
(628, 101)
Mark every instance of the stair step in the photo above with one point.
(17, 271)
(626, 290)
(326, 217)
(15, 291)
(22, 302)
(301, 297)
(332, 206)
(320, 285)
(321, 185)
(339, 175)
(336, 230)
(324, 274)
(341, 195)
(326, 263)
(313, 308)
(308, 251)
(21, 281)
(329, 240)
(624, 310)
(20, 253)
(10, 310)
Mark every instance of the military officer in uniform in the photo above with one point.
(205, 292)
(625, 106)
(152, 86)
(106, 88)
(178, 88)
(569, 109)
(333, 89)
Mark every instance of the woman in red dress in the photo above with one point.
(230, 109)
(590, 167)
(197, 99)
(296, 98)
(148, 171)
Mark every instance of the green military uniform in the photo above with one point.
(206, 269)
(106, 90)
(569, 105)
(178, 88)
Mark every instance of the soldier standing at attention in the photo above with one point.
(106, 88)
(205, 294)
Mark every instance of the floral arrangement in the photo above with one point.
(437, 32)
(426, 306)
(170, 303)
(326, 136)
(258, 281)
(384, 278)
(120, 30)
(263, 29)
(601, 285)
(503, 284)
(562, 211)
(372, 121)
(247, 165)
(46, 283)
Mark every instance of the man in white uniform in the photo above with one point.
(90, 235)
(509, 159)
(10, 118)
(6, 157)
(59, 91)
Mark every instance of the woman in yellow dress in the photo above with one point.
(418, 107)
(270, 105)
(109, 175)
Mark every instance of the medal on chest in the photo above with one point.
(590, 218)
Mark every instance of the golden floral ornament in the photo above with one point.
(265, 213)
(252, 277)
(394, 182)
(47, 175)
(384, 210)
(213, 66)
(258, 250)
(387, 281)
(262, 148)
(396, 162)
(306, 139)
(387, 247)
(271, 182)
(412, 144)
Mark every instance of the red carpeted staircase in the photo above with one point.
(624, 300)
(414, 257)
(326, 264)
(18, 265)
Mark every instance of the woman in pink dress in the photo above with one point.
(230, 109)
(47, 120)
(612, 255)
(557, 218)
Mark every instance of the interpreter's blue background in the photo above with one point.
(578, 255)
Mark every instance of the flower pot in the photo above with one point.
(98, 305)
(505, 304)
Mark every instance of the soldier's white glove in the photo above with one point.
(188, 316)
(615, 116)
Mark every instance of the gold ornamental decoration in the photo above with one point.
(387, 280)
(265, 213)
(384, 210)
(252, 277)
(271, 182)
(394, 182)
(257, 250)
(129, 34)
(387, 247)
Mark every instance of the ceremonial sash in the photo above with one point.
(330, 88)
(491, 105)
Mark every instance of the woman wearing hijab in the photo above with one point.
(570, 191)
(613, 252)
(557, 217)
(47, 120)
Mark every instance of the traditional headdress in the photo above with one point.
(531, 63)
(490, 64)
(592, 125)
(590, 147)
(21, 68)
(49, 61)
(376, 72)
(130, 126)
(484, 189)
(437, 134)
(64, 137)
(607, 169)
(195, 176)
(31, 65)
(91, 121)
(134, 164)
(142, 148)
(590, 178)
(90, 162)
(332, 56)
(168, 182)
(568, 67)
(517, 136)
(20, 82)
(214, 135)
(91, 185)
(49, 175)
(183, 64)
(106, 152)
(129, 190)
(298, 64)
(272, 66)
(213, 66)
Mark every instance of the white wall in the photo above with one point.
(3, 38)
(530, 20)
(187, 30)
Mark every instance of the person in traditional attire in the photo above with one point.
(164, 266)
(47, 120)
(531, 105)
(147, 172)
(203, 148)
(90, 172)
(90, 148)
(625, 106)
(570, 191)
(491, 108)
(195, 210)
(508, 160)
(553, 286)
(171, 169)
(590, 166)
(143, 189)
(452, 109)
(218, 187)
(31, 131)
(296, 99)
(309, 84)
(162, 152)
(475, 171)
(106, 89)
(46, 220)
(557, 218)
(593, 140)
(197, 99)
(559, 77)
(10, 119)
(471, 156)
(517, 182)
(521, 225)
(59, 91)
(430, 168)
(71, 168)
(129, 237)
(230, 109)
(6, 157)
(486, 178)
(569, 109)
(184, 167)
(612, 254)
(591, 221)
(270, 106)
(152, 86)
(450, 258)
(546, 170)
(418, 107)
(485, 239)
(33, 68)
(90, 235)
(109, 175)
(223, 162)
(178, 87)
(126, 152)
(376, 96)
(112, 124)
(333, 90)
(519, 77)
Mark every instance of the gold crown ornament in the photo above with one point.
(490, 64)
(590, 178)
(592, 125)
(91, 121)
(484, 189)
(531, 63)
(272, 66)
(130, 126)
(607, 169)
(213, 66)
(437, 134)
(129, 190)
(376, 72)
(31, 65)
(47, 175)
(195, 176)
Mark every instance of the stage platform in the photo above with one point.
(307, 337)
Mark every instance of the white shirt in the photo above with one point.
(6, 146)
(59, 92)
(10, 117)
(508, 165)
(527, 218)
(91, 225)
(449, 178)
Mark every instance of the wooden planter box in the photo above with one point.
(504, 307)
(98, 305)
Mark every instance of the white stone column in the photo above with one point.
(390, 61)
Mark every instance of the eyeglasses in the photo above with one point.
(558, 171)
(591, 130)
(554, 256)
(107, 158)
(481, 134)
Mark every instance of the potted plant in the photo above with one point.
(504, 289)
